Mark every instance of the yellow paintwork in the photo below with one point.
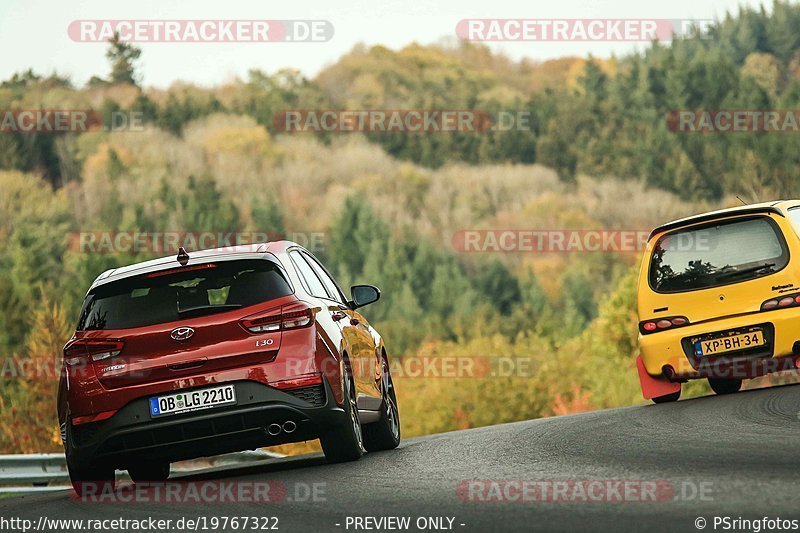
(720, 308)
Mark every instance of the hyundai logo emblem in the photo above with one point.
(182, 334)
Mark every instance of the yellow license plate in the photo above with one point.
(730, 344)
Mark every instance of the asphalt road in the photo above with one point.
(734, 456)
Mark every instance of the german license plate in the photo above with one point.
(184, 402)
(731, 343)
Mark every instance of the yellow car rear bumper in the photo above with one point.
(672, 349)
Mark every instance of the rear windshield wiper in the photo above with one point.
(746, 271)
(207, 309)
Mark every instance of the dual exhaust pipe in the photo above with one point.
(277, 429)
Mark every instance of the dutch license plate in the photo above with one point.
(731, 343)
(184, 402)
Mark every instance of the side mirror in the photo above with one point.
(364, 295)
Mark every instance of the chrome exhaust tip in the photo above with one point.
(274, 429)
(289, 426)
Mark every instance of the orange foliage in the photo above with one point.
(576, 401)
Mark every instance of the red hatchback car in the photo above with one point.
(219, 351)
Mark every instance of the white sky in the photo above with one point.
(33, 33)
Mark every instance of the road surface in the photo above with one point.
(735, 456)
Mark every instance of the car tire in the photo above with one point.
(385, 433)
(153, 471)
(725, 386)
(667, 398)
(93, 481)
(345, 442)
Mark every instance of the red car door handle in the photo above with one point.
(189, 364)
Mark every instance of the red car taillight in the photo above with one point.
(99, 417)
(790, 300)
(660, 324)
(294, 316)
(306, 380)
(80, 350)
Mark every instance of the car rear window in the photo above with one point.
(170, 295)
(719, 254)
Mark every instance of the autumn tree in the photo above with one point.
(122, 56)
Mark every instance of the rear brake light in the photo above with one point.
(78, 351)
(179, 270)
(790, 300)
(660, 324)
(294, 316)
(301, 381)
(99, 417)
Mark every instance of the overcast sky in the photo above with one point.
(33, 33)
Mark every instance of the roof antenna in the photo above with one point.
(743, 202)
(183, 257)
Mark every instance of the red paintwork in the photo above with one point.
(222, 350)
(654, 387)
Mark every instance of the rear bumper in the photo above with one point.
(131, 434)
(673, 349)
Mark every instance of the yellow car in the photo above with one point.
(719, 298)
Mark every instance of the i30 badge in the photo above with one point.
(182, 334)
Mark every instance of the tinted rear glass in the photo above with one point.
(182, 293)
(728, 252)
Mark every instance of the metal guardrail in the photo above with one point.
(35, 472)
(33, 469)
